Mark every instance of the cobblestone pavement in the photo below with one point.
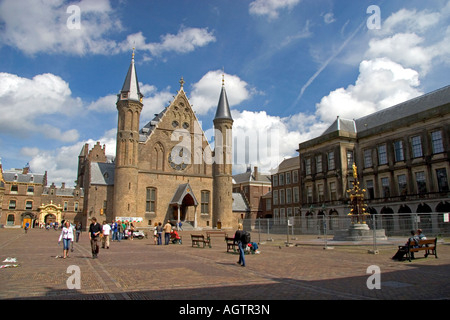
(138, 270)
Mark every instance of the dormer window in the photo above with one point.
(124, 95)
(14, 188)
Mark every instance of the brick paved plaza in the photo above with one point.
(136, 270)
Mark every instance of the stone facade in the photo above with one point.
(285, 190)
(25, 197)
(165, 170)
(253, 186)
(401, 154)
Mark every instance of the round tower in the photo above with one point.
(129, 106)
(222, 167)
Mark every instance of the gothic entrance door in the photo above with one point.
(181, 212)
(182, 199)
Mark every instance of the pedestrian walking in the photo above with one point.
(67, 237)
(167, 231)
(95, 229)
(78, 228)
(239, 239)
(106, 232)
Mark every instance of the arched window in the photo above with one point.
(10, 220)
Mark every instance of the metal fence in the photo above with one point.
(394, 225)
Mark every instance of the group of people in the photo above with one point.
(99, 232)
(116, 230)
(169, 233)
(70, 232)
(415, 237)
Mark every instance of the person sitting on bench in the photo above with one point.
(402, 250)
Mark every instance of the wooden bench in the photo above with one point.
(200, 238)
(234, 246)
(230, 244)
(429, 246)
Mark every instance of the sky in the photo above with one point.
(290, 68)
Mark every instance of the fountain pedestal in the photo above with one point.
(359, 232)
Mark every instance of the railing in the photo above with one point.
(397, 224)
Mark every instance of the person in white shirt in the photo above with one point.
(106, 233)
(67, 237)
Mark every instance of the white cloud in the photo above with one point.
(271, 8)
(404, 48)
(42, 26)
(264, 140)
(402, 52)
(415, 39)
(206, 92)
(261, 140)
(154, 101)
(61, 164)
(185, 41)
(104, 104)
(410, 20)
(25, 102)
(381, 83)
(35, 26)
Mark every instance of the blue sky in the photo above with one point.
(291, 67)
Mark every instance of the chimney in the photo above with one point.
(255, 173)
(26, 170)
(63, 185)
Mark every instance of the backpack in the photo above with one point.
(245, 237)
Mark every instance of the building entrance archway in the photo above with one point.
(182, 199)
(50, 213)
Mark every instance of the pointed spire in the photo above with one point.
(130, 89)
(181, 83)
(223, 108)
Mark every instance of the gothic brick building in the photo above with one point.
(165, 170)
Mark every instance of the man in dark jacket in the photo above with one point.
(95, 229)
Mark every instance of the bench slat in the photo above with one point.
(428, 245)
(200, 238)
